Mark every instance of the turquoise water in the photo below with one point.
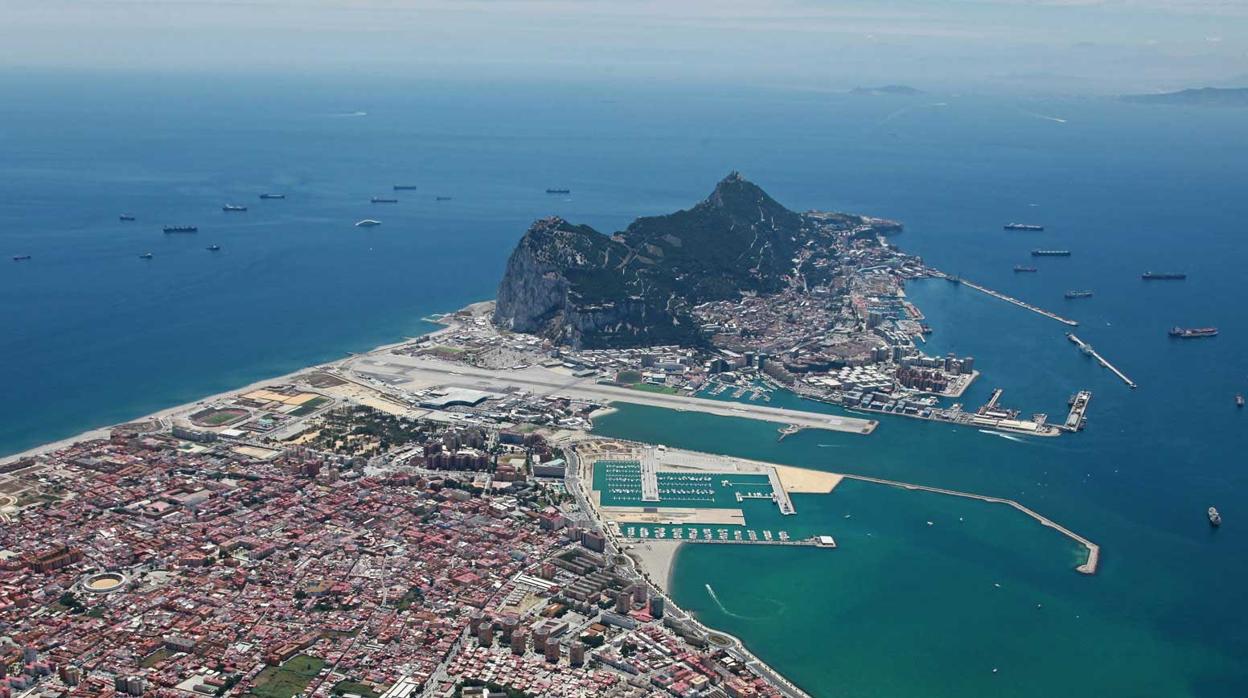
(95, 336)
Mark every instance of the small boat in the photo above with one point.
(233, 208)
(181, 229)
(1215, 519)
(383, 200)
(367, 223)
(272, 196)
(558, 191)
(145, 255)
(21, 257)
(126, 217)
(1239, 399)
(1078, 294)
(405, 187)
(441, 198)
(1019, 269)
(214, 248)
(1162, 276)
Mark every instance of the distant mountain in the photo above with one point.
(1203, 96)
(574, 285)
(903, 90)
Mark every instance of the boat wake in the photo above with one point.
(831, 445)
(1010, 437)
(715, 598)
(1055, 119)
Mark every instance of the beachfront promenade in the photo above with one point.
(1094, 550)
(425, 372)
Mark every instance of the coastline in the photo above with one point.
(102, 432)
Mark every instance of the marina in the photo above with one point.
(1089, 351)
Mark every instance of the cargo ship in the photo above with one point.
(272, 196)
(404, 187)
(214, 248)
(383, 200)
(1024, 226)
(1162, 276)
(558, 191)
(126, 217)
(1018, 269)
(181, 229)
(1050, 253)
(233, 207)
(1215, 519)
(367, 223)
(145, 255)
(21, 257)
(1078, 294)
(1193, 332)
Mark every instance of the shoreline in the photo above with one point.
(102, 432)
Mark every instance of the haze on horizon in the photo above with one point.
(1046, 45)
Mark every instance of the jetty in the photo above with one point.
(1094, 550)
(1011, 299)
(1087, 349)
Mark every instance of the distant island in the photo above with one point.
(573, 285)
(1201, 96)
(903, 90)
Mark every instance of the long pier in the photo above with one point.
(1094, 550)
(1087, 349)
(1012, 299)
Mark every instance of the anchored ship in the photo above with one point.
(558, 191)
(1078, 294)
(1050, 253)
(214, 248)
(441, 198)
(1023, 226)
(383, 200)
(181, 229)
(1215, 519)
(21, 257)
(272, 196)
(404, 187)
(1018, 268)
(145, 255)
(1162, 276)
(1239, 399)
(1193, 332)
(126, 217)
(233, 207)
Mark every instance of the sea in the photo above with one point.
(925, 595)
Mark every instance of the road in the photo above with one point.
(431, 372)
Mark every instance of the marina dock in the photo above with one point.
(649, 476)
(1011, 299)
(1087, 349)
(781, 495)
(1094, 550)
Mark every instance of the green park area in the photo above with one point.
(288, 679)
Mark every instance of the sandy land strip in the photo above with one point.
(103, 432)
(672, 516)
(806, 481)
(656, 558)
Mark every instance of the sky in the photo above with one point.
(1045, 45)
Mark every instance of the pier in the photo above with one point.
(1087, 349)
(1094, 550)
(1011, 299)
(649, 476)
(781, 495)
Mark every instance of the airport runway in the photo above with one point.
(431, 372)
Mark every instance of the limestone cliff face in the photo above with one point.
(576, 286)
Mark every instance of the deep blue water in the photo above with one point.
(95, 335)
